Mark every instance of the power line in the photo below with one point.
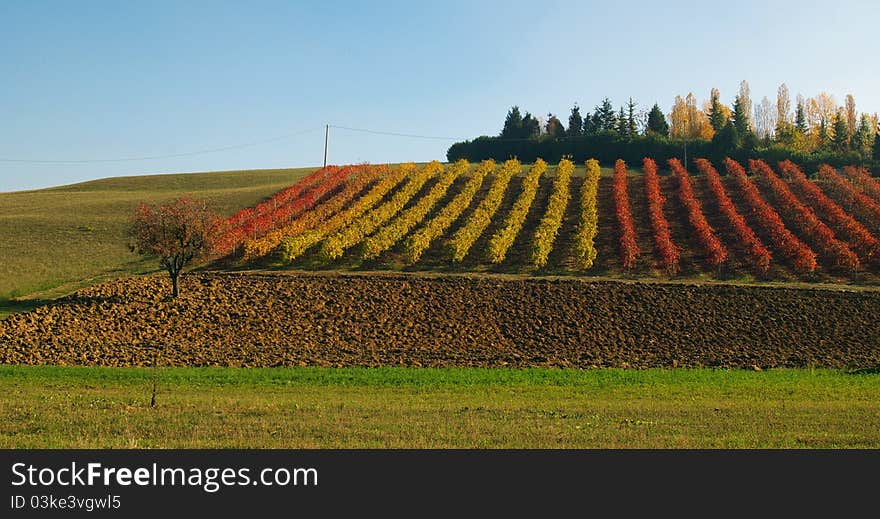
(415, 136)
(170, 156)
(395, 134)
(257, 143)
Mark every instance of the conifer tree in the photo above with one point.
(876, 153)
(741, 118)
(631, 127)
(840, 141)
(800, 118)
(621, 126)
(513, 124)
(575, 122)
(657, 124)
(717, 117)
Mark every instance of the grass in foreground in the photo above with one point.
(61, 407)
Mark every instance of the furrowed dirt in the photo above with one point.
(381, 320)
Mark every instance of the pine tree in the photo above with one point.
(717, 117)
(824, 138)
(840, 141)
(604, 117)
(741, 118)
(876, 152)
(727, 139)
(531, 128)
(575, 122)
(631, 127)
(657, 124)
(621, 126)
(513, 124)
(800, 118)
(590, 125)
(861, 140)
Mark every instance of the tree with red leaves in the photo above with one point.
(176, 232)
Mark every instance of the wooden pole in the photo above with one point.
(326, 139)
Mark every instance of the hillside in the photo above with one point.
(66, 236)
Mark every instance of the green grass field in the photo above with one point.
(56, 240)
(48, 407)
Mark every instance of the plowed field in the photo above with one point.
(235, 319)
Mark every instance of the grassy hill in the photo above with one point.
(59, 238)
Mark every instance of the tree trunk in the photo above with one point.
(175, 283)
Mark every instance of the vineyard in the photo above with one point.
(724, 221)
(378, 265)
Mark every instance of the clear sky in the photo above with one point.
(105, 80)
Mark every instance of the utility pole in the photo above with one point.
(326, 138)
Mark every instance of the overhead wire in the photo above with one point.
(251, 144)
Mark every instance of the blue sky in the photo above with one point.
(104, 80)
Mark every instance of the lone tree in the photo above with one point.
(176, 233)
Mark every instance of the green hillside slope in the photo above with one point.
(64, 236)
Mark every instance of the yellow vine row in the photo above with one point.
(464, 238)
(335, 245)
(389, 235)
(547, 230)
(358, 182)
(294, 246)
(421, 239)
(503, 239)
(584, 239)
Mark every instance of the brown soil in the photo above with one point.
(232, 319)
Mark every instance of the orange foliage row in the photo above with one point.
(858, 236)
(804, 219)
(255, 222)
(629, 248)
(759, 254)
(278, 199)
(715, 250)
(857, 203)
(803, 259)
(868, 184)
(669, 252)
(359, 178)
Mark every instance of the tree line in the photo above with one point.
(809, 131)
